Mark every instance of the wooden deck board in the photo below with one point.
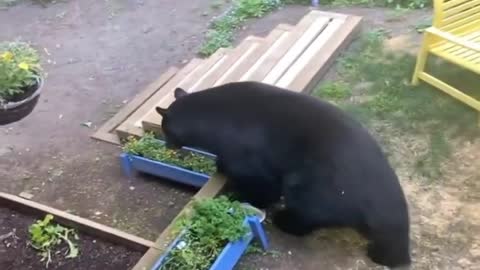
(300, 45)
(320, 61)
(248, 62)
(153, 120)
(294, 57)
(150, 116)
(267, 62)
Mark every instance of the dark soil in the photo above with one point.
(16, 254)
(26, 92)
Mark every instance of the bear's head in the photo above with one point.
(173, 122)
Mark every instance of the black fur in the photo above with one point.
(272, 142)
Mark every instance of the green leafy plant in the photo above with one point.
(149, 147)
(212, 223)
(45, 236)
(19, 69)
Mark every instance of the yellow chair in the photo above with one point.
(455, 37)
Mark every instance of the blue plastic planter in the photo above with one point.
(232, 252)
(131, 163)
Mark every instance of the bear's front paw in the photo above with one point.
(289, 223)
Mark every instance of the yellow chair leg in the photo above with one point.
(421, 60)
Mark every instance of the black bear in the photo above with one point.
(272, 142)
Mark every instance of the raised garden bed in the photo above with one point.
(213, 236)
(28, 229)
(149, 155)
(94, 253)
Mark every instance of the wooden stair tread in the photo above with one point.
(292, 57)
(152, 121)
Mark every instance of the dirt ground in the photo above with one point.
(100, 53)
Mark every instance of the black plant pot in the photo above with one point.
(18, 109)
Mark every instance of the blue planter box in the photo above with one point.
(131, 163)
(232, 252)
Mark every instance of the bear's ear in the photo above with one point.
(179, 92)
(161, 111)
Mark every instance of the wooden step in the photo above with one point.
(152, 120)
(245, 64)
(305, 73)
(271, 62)
(294, 57)
(128, 127)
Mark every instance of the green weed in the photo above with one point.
(46, 236)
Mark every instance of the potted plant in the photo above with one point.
(21, 81)
(213, 236)
(149, 155)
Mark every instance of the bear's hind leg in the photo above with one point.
(292, 223)
(310, 206)
(389, 248)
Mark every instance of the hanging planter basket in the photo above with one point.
(18, 108)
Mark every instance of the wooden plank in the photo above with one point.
(128, 127)
(267, 62)
(209, 190)
(320, 60)
(315, 47)
(151, 121)
(248, 62)
(107, 131)
(297, 49)
(84, 225)
(244, 49)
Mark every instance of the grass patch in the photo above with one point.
(221, 32)
(9, 3)
(380, 84)
(398, 4)
(334, 91)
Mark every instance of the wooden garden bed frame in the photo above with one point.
(84, 225)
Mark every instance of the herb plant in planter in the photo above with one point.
(20, 81)
(149, 155)
(213, 235)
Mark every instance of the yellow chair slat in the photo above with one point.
(469, 13)
(459, 9)
(453, 3)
